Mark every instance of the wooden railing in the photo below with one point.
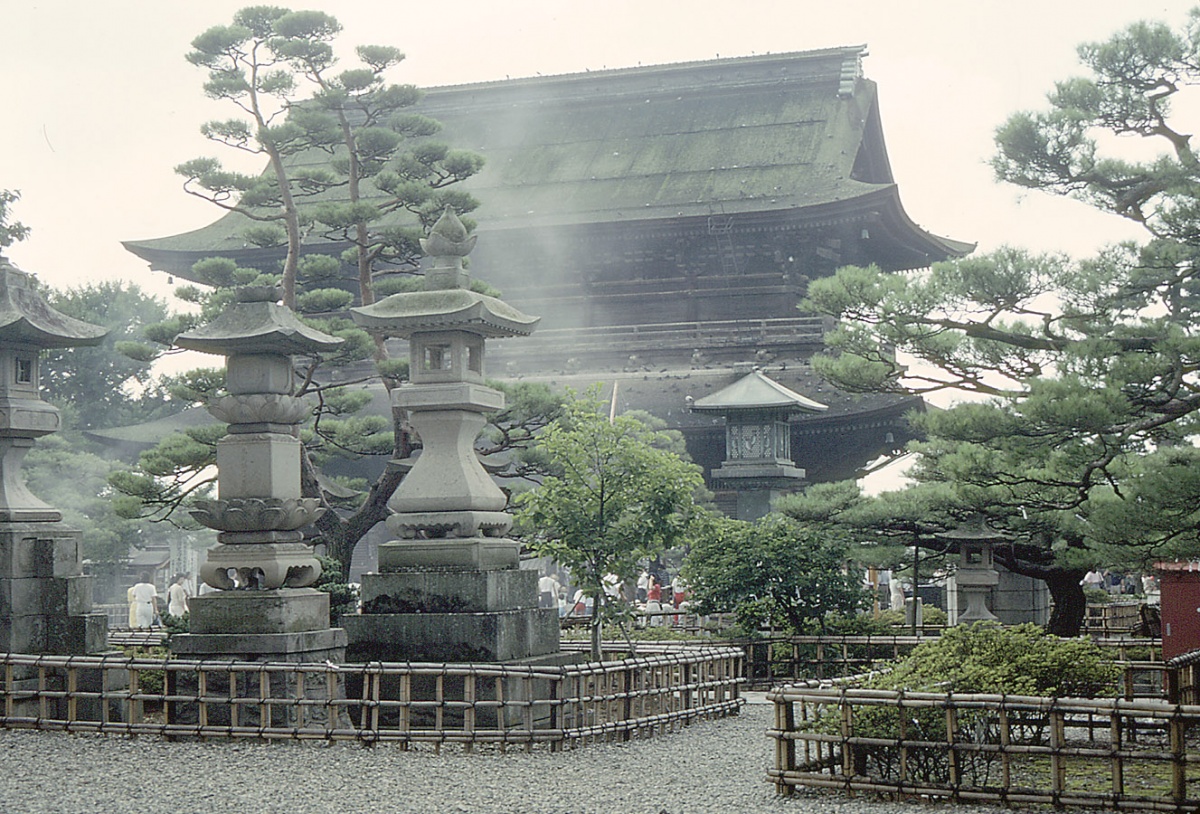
(987, 748)
(403, 702)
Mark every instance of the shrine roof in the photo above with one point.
(786, 134)
(756, 391)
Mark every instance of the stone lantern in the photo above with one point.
(449, 588)
(976, 575)
(758, 463)
(45, 600)
(261, 566)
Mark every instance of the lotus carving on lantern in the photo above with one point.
(257, 514)
(260, 408)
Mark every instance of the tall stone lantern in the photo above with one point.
(976, 575)
(45, 600)
(261, 567)
(449, 588)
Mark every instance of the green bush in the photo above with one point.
(980, 658)
(343, 597)
(988, 658)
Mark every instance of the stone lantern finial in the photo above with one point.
(448, 243)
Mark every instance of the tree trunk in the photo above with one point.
(1070, 604)
(597, 624)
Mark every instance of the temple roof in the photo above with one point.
(755, 391)
(796, 135)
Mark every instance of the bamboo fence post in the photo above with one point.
(1005, 725)
(72, 688)
(469, 710)
(1178, 758)
(1058, 766)
(1118, 765)
(785, 745)
(952, 754)
(903, 720)
(847, 731)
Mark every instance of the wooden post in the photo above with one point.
(785, 745)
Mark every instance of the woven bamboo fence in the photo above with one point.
(989, 748)
(406, 703)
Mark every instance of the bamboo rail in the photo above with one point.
(988, 748)
(408, 703)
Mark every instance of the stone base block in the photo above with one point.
(472, 553)
(312, 647)
(24, 634)
(449, 591)
(39, 550)
(461, 637)
(69, 596)
(237, 613)
(71, 635)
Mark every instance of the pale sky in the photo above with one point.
(101, 105)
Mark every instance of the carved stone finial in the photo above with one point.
(448, 238)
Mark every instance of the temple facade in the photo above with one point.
(665, 222)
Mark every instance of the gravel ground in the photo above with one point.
(716, 767)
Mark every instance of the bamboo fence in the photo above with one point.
(406, 703)
(999, 749)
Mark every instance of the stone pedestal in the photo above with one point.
(45, 599)
(451, 615)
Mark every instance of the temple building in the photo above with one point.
(664, 223)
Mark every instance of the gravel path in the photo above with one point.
(716, 767)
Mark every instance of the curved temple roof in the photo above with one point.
(796, 135)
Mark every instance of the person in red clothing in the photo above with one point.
(654, 601)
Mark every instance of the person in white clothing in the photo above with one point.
(141, 603)
(177, 596)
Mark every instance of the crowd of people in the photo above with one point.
(656, 595)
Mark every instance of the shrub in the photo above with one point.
(980, 658)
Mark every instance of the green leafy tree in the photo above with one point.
(11, 231)
(774, 571)
(112, 384)
(613, 497)
(1082, 447)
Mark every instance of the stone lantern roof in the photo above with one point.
(447, 303)
(974, 530)
(26, 317)
(756, 392)
(257, 324)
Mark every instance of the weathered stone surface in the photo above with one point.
(24, 634)
(424, 591)
(300, 647)
(470, 637)
(242, 613)
(263, 464)
(87, 633)
(310, 647)
(479, 553)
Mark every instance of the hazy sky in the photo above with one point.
(100, 103)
